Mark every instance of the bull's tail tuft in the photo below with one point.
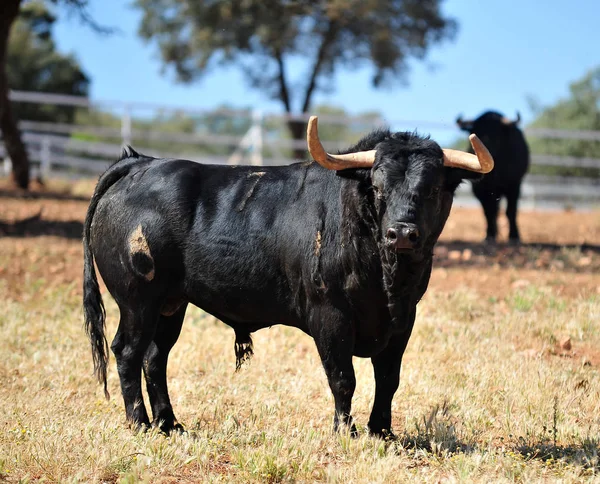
(243, 348)
(94, 317)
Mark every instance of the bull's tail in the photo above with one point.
(93, 307)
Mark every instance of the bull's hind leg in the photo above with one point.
(512, 200)
(136, 330)
(490, 203)
(155, 369)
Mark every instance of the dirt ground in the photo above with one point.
(40, 243)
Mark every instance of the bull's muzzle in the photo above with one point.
(403, 236)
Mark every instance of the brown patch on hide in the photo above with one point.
(318, 243)
(140, 253)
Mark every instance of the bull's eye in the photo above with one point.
(435, 191)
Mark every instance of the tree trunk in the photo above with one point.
(298, 131)
(10, 132)
(298, 128)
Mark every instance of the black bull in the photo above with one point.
(345, 256)
(507, 145)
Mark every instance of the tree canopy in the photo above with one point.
(262, 37)
(580, 111)
(34, 64)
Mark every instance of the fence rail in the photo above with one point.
(60, 149)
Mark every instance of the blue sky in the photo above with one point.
(505, 51)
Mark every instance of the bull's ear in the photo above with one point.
(454, 176)
(354, 174)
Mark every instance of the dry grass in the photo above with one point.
(487, 393)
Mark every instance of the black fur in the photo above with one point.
(255, 246)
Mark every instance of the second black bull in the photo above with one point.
(507, 145)
(341, 249)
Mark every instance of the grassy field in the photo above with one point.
(500, 382)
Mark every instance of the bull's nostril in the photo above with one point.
(413, 236)
(391, 234)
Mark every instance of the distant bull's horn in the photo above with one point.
(480, 162)
(461, 122)
(506, 120)
(359, 159)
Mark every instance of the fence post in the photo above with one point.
(45, 158)
(7, 164)
(257, 138)
(126, 125)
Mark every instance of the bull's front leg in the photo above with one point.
(335, 342)
(386, 366)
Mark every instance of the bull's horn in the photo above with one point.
(462, 123)
(359, 159)
(480, 162)
(516, 121)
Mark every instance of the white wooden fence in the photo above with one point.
(56, 154)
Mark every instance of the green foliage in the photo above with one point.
(33, 64)
(262, 37)
(580, 111)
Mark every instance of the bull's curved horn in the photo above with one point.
(480, 162)
(463, 123)
(359, 159)
(508, 121)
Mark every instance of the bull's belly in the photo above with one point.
(253, 312)
(243, 305)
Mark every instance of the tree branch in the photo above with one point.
(283, 90)
(80, 8)
(328, 38)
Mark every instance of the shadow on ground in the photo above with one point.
(45, 195)
(585, 455)
(583, 258)
(36, 226)
(541, 256)
(436, 433)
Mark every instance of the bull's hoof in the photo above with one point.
(168, 426)
(514, 241)
(343, 427)
(384, 434)
(139, 427)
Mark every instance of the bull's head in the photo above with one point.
(491, 127)
(413, 180)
